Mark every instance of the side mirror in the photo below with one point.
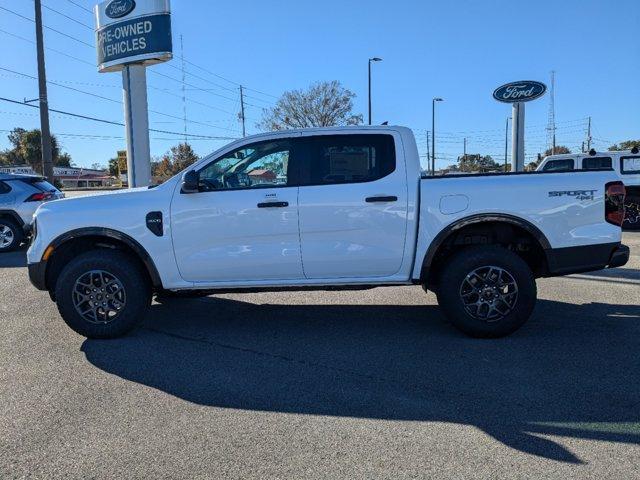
(190, 182)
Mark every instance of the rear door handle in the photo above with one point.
(381, 199)
(273, 205)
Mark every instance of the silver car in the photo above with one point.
(20, 196)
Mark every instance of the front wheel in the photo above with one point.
(102, 294)
(487, 292)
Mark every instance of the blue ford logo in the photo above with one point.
(119, 8)
(519, 91)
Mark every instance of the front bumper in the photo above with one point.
(586, 258)
(37, 275)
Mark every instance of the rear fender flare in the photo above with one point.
(475, 219)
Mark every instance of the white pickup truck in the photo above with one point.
(336, 208)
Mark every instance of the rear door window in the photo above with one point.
(335, 159)
(630, 165)
(595, 163)
(562, 165)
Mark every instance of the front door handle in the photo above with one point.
(273, 205)
(390, 198)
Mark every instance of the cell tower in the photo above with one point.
(551, 126)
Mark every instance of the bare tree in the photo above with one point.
(324, 104)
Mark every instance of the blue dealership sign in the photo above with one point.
(133, 39)
(132, 32)
(523, 91)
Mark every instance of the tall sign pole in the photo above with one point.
(136, 115)
(517, 93)
(45, 133)
(130, 35)
(517, 137)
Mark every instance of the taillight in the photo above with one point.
(39, 197)
(614, 202)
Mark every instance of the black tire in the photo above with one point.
(131, 282)
(457, 280)
(16, 235)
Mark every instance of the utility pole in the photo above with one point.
(506, 143)
(433, 133)
(184, 90)
(374, 59)
(589, 135)
(244, 131)
(517, 146)
(45, 132)
(428, 152)
(464, 151)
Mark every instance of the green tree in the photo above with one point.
(27, 150)
(113, 166)
(476, 163)
(177, 159)
(558, 150)
(626, 145)
(324, 104)
(182, 156)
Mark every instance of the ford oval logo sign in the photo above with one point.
(524, 91)
(119, 8)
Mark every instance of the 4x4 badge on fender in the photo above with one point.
(579, 194)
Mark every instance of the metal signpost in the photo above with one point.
(517, 93)
(130, 35)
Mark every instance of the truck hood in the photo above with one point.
(101, 201)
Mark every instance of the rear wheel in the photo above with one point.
(102, 294)
(11, 235)
(487, 292)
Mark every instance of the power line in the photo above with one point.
(237, 84)
(68, 17)
(119, 102)
(110, 122)
(47, 27)
(115, 86)
(47, 48)
(206, 90)
(80, 6)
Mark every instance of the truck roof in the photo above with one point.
(607, 153)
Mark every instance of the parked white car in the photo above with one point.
(625, 163)
(326, 208)
(20, 196)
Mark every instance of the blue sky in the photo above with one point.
(458, 50)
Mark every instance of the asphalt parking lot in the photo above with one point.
(371, 384)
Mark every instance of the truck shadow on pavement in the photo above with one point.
(572, 371)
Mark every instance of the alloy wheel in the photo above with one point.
(6, 236)
(99, 296)
(489, 293)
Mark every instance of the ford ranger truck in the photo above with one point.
(326, 209)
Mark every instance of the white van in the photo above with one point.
(626, 164)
